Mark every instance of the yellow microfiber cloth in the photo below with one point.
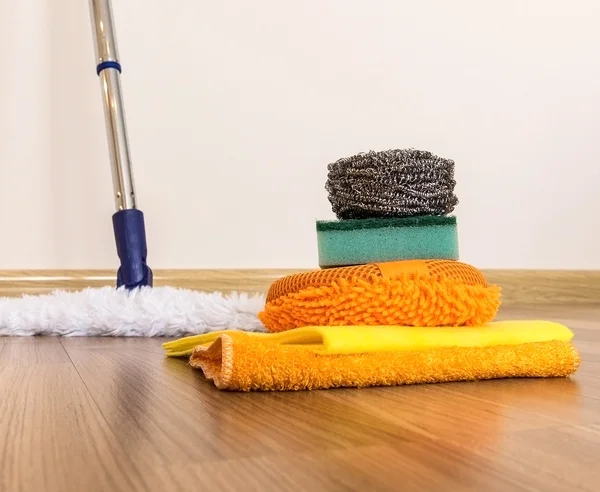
(359, 356)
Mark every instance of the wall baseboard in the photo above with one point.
(518, 286)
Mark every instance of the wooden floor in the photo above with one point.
(115, 415)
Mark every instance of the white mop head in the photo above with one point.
(145, 312)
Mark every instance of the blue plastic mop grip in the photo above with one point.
(130, 237)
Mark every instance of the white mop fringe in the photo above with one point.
(145, 312)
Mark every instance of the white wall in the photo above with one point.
(236, 108)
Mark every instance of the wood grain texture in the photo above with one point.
(518, 286)
(115, 414)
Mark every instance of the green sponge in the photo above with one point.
(361, 241)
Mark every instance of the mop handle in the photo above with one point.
(108, 69)
(128, 221)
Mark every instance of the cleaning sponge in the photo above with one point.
(409, 293)
(360, 241)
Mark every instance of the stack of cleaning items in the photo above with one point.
(390, 304)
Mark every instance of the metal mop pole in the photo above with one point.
(128, 220)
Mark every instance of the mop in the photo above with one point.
(135, 307)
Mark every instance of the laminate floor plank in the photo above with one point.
(52, 435)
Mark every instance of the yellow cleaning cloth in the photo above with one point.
(335, 340)
(327, 357)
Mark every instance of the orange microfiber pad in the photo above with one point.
(410, 293)
(238, 361)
